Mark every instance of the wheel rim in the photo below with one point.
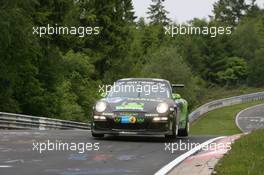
(188, 127)
(176, 130)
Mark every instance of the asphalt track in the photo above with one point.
(251, 118)
(116, 155)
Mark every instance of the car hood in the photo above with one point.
(135, 104)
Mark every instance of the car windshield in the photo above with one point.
(141, 89)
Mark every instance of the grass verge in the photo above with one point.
(220, 121)
(218, 93)
(246, 156)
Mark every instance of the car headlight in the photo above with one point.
(162, 108)
(100, 106)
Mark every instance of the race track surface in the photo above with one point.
(116, 155)
(251, 118)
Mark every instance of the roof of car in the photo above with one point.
(143, 79)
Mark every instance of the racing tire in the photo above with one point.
(184, 132)
(97, 135)
(174, 132)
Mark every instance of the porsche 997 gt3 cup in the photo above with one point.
(141, 106)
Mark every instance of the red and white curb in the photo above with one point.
(200, 155)
(164, 170)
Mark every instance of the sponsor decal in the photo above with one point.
(125, 119)
(117, 120)
(129, 119)
(107, 114)
(151, 115)
(115, 100)
(133, 119)
(135, 106)
(145, 99)
(128, 113)
(140, 120)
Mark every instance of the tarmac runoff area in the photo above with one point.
(251, 118)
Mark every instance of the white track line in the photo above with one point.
(164, 170)
(5, 166)
(237, 116)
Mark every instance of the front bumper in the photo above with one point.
(142, 132)
(147, 128)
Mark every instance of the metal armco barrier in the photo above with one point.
(224, 102)
(17, 121)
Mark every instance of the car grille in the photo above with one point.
(130, 126)
(146, 125)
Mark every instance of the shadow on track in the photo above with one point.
(140, 138)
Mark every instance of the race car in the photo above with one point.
(141, 106)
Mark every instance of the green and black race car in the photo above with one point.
(141, 106)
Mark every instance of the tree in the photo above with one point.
(167, 63)
(128, 11)
(157, 13)
(248, 37)
(52, 47)
(256, 70)
(234, 73)
(230, 11)
(110, 48)
(20, 89)
(253, 9)
(77, 91)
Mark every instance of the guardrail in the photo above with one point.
(17, 121)
(224, 102)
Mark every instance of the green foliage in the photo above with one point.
(235, 71)
(230, 11)
(245, 157)
(168, 64)
(18, 83)
(58, 75)
(256, 70)
(70, 109)
(245, 39)
(115, 17)
(157, 13)
(78, 90)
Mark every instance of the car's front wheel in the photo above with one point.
(184, 132)
(174, 132)
(97, 135)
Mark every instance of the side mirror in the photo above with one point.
(176, 96)
(103, 94)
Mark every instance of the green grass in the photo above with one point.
(246, 156)
(220, 121)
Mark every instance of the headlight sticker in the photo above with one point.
(117, 120)
(140, 120)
